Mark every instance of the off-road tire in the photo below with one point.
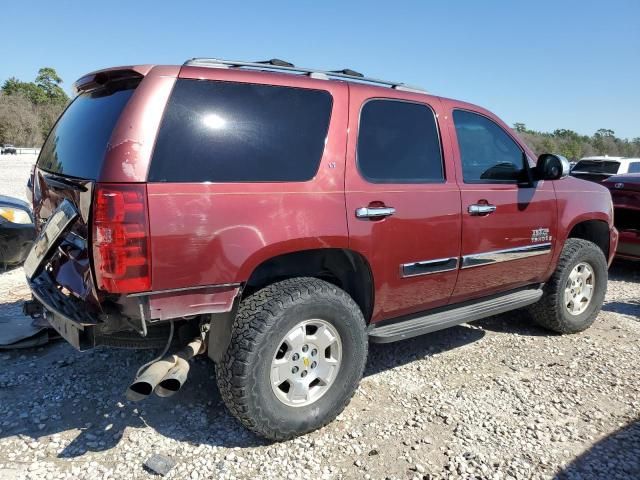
(262, 320)
(550, 312)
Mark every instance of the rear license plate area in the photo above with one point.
(49, 237)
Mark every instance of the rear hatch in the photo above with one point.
(67, 169)
(595, 170)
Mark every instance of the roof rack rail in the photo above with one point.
(279, 65)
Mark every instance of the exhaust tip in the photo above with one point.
(168, 387)
(139, 391)
(143, 386)
(173, 380)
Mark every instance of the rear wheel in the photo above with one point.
(573, 296)
(297, 352)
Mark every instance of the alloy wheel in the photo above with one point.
(306, 363)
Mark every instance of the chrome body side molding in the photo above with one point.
(428, 267)
(486, 258)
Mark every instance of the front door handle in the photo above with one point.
(480, 209)
(374, 212)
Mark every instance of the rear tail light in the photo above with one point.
(121, 238)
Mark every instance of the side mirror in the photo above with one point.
(552, 167)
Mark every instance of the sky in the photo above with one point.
(549, 64)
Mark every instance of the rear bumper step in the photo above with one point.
(415, 326)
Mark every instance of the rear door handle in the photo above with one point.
(374, 212)
(480, 209)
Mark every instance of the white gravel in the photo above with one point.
(14, 173)
(498, 399)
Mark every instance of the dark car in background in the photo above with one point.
(625, 192)
(598, 169)
(7, 148)
(17, 231)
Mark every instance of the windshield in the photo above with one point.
(597, 166)
(78, 141)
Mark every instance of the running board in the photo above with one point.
(412, 327)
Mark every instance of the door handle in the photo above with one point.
(374, 212)
(480, 209)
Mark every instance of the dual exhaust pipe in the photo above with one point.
(166, 376)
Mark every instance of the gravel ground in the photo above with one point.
(496, 399)
(14, 172)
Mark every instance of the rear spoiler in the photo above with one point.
(99, 78)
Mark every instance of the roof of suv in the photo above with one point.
(273, 67)
(284, 66)
(90, 80)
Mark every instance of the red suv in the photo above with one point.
(280, 218)
(625, 190)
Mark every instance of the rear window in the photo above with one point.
(596, 166)
(398, 142)
(215, 131)
(78, 141)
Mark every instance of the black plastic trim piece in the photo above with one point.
(66, 314)
(439, 320)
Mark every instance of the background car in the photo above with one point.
(17, 231)
(7, 148)
(625, 192)
(598, 169)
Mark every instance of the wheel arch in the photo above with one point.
(593, 230)
(345, 268)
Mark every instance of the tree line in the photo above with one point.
(574, 146)
(28, 110)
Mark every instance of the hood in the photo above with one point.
(629, 181)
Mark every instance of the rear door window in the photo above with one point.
(398, 142)
(215, 131)
(77, 143)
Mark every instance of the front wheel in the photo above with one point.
(574, 294)
(297, 352)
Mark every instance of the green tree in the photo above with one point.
(605, 132)
(30, 90)
(28, 110)
(548, 145)
(563, 132)
(49, 82)
(46, 88)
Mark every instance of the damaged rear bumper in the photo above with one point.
(78, 322)
(68, 316)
